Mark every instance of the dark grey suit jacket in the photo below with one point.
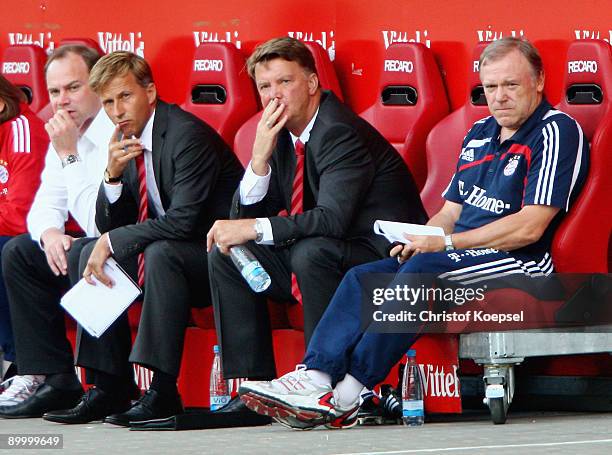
(353, 176)
(196, 174)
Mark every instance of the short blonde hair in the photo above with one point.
(502, 47)
(117, 64)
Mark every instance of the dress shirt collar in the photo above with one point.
(306, 133)
(147, 133)
(97, 132)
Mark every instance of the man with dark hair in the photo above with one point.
(23, 144)
(333, 174)
(169, 177)
(517, 174)
(36, 266)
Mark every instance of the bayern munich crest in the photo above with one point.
(4, 174)
(511, 166)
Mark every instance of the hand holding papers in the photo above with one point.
(394, 231)
(97, 307)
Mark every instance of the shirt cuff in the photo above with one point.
(113, 192)
(253, 187)
(266, 226)
(110, 245)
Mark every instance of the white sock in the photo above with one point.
(347, 392)
(320, 377)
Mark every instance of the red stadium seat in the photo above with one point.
(220, 90)
(24, 66)
(581, 242)
(444, 140)
(243, 143)
(412, 99)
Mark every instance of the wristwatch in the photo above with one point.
(109, 179)
(258, 230)
(448, 242)
(70, 159)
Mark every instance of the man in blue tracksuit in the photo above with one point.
(517, 174)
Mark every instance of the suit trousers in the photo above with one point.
(241, 315)
(34, 293)
(176, 278)
(7, 345)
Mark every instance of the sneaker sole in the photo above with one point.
(298, 426)
(277, 409)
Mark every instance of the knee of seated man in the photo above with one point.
(315, 253)
(14, 248)
(421, 263)
(160, 251)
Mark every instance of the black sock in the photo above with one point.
(164, 383)
(63, 381)
(114, 384)
(10, 371)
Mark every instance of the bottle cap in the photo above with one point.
(216, 349)
(411, 353)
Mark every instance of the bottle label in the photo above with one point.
(412, 408)
(218, 401)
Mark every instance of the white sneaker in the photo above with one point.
(294, 396)
(18, 388)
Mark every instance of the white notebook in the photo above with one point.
(394, 231)
(95, 308)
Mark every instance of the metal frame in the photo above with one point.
(499, 352)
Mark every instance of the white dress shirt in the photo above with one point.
(253, 187)
(74, 188)
(113, 192)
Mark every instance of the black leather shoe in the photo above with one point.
(45, 399)
(152, 405)
(94, 405)
(236, 405)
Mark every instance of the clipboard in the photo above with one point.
(95, 308)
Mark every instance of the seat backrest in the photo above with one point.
(243, 142)
(581, 242)
(24, 66)
(89, 42)
(411, 100)
(220, 90)
(444, 141)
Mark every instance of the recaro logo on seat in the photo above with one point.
(208, 65)
(15, 67)
(582, 66)
(405, 66)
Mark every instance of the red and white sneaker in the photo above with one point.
(342, 418)
(294, 400)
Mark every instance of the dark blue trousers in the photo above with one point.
(339, 345)
(6, 332)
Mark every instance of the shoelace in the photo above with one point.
(291, 380)
(18, 385)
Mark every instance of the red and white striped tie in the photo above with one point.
(143, 208)
(297, 204)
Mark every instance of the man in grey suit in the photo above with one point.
(348, 175)
(169, 176)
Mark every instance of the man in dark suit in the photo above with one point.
(333, 174)
(169, 176)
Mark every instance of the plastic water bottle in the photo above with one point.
(250, 268)
(219, 394)
(413, 411)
